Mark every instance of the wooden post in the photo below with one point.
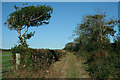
(17, 60)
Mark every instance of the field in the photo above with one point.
(6, 60)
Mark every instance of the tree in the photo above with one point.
(97, 52)
(95, 29)
(25, 17)
(116, 44)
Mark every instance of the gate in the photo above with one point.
(6, 63)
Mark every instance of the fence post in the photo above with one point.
(17, 60)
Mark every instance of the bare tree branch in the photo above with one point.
(38, 17)
(25, 31)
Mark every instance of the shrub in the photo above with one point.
(102, 64)
(37, 58)
(24, 51)
(43, 58)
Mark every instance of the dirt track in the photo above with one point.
(67, 67)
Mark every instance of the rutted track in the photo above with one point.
(67, 67)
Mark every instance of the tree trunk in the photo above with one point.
(21, 40)
(20, 37)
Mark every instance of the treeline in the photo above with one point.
(100, 57)
(4, 49)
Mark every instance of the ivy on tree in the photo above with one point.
(25, 17)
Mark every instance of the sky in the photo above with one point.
(60, 0)
(65, 17)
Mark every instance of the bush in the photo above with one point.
(43, 58)
(102, 64)
(18, 49)
(37, 58)
(24, 52)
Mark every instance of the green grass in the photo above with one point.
(4, 63)
(64, 60)
(72, 71)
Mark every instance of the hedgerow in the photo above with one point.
(37, 58)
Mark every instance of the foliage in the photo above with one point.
(37, 58)
(117, 44)
(19, 49)
(21, 20)
(100, 57)
(25, 37)
(72, 47)
(23, 50)
(29, 16)
(42, 58)
(94, 30)
(102, 64)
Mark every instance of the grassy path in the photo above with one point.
(67, 67)
(72, 67)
